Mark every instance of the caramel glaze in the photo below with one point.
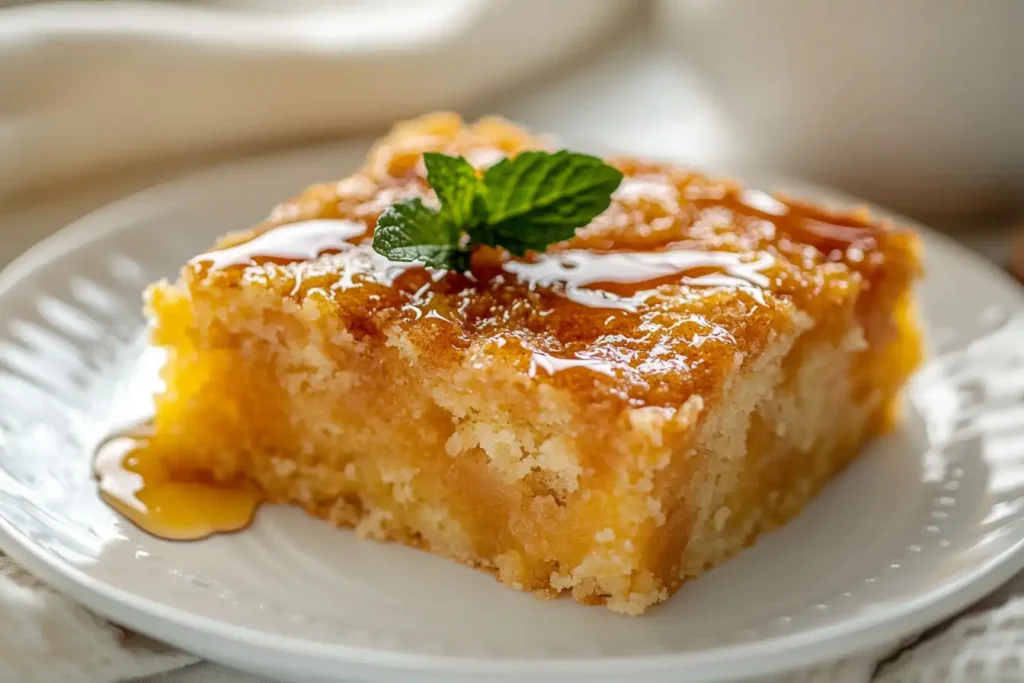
(680, 270)
(172, 507)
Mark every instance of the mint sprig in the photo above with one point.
(411, 231)
(525, 203)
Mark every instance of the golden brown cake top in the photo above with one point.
(679, 281)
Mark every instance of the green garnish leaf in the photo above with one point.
(409, 230)
(456, 183)
(538, 199)
(522, 204)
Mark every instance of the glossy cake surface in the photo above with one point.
(608, 418)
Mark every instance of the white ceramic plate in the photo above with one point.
(925, 522)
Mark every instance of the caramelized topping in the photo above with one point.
(827, 232)
(303, 241)
(549, 364)
(680, 277)
(177, 509)
(623, 279)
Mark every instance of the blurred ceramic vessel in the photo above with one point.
(916, 104)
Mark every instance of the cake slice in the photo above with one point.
(608, 418)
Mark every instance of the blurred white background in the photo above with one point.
(913, 103)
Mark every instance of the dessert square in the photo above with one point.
(607, 419)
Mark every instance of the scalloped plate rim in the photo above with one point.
(881, 629)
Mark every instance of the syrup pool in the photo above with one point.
(134, 482)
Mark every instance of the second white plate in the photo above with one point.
(926, 521)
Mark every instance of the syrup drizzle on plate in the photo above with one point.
(134, 481)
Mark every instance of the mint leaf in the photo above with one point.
(411, 231)
(463, 205)
(521, 204)
(537, 198)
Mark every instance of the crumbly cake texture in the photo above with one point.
(610, 453)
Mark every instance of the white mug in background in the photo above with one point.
(916, 104)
